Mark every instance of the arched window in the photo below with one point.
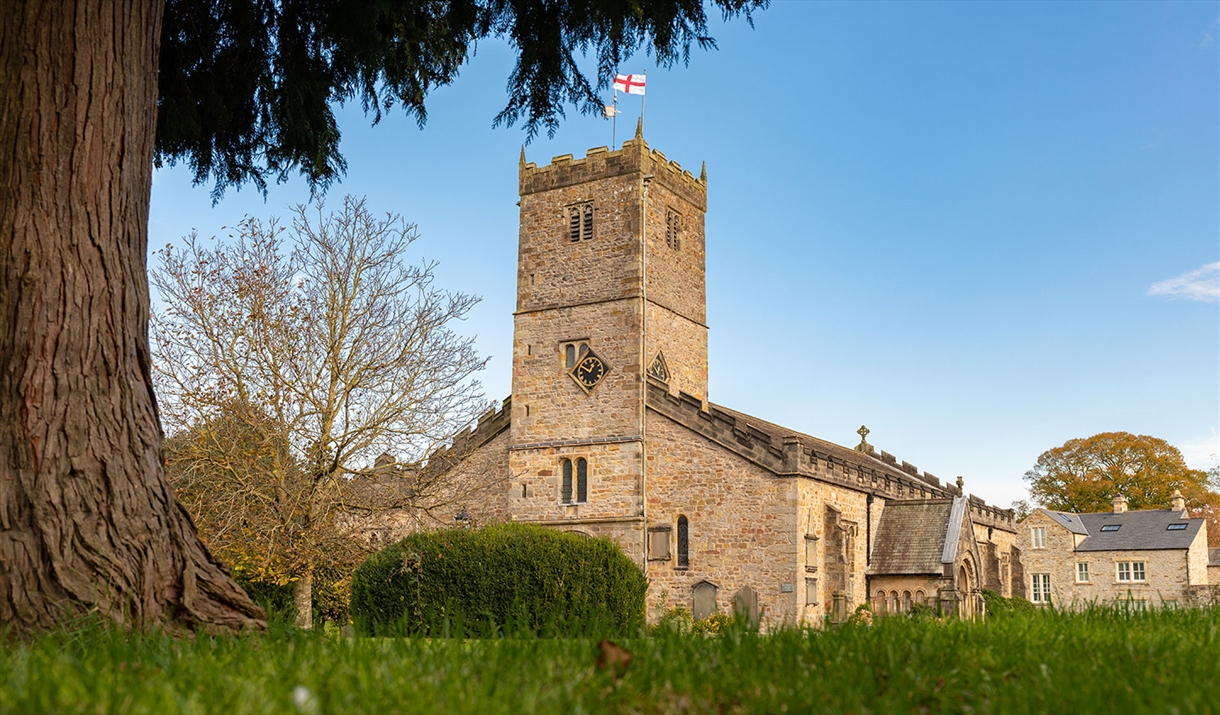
(567, 482)
(894, 602)
(919, 598)
(879, 602)
(906, 601)
(582, 481)
(569, 356)
(683, 542)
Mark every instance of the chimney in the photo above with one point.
(1120, 504)
(1179, 502)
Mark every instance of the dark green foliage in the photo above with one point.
(247, 86)
(505, 577)
(1000, 606)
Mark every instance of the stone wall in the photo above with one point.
(549, 407)
(684, 344)
(1197, 559)
(743, 528)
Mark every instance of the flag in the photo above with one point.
(629, 83)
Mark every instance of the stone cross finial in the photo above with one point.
(864, 446)
(961, 483)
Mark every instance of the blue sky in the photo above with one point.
(981, 229)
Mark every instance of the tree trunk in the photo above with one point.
(88, 522)
(302, 602)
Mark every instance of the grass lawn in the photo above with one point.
(1103, 661)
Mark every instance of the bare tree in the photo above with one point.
(288, 366)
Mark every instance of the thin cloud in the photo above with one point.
(1209, 34)
(1201, 452)
(1201, 284)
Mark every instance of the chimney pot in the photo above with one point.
(1179, 502)
(1120, 504)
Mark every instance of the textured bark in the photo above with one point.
(88, 522)
(302, 602)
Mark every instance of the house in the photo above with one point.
(1143, 559)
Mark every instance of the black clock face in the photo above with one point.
(659, 369)
(588, 370)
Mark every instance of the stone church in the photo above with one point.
(609, 431)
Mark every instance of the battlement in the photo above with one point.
(489, 424)
(983, 513)
(788, 454)
(633, 157)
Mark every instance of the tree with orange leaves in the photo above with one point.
(1084, 475)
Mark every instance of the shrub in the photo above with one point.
(998, 605)
(505, 577)
(675, 620)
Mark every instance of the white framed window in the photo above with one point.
(1040, 588)
(1037, 536)
(1082, 572)
(1131, 572)
(1138, 605)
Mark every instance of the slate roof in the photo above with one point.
(910, 537)
(1138, 531)
(1213, 557)
(1071, 522)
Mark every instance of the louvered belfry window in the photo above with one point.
(673, 229)
(580, 222)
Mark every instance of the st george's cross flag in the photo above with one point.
(629, 83)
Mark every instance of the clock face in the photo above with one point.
(588, 371)
(658, 368)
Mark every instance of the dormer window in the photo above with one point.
(580, 222)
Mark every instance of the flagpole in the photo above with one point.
(643, 97)
(614, 120)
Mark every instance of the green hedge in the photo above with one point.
(502, 578)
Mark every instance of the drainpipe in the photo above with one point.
(644, 365)
(868, 547)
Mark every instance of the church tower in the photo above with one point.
(610, 283)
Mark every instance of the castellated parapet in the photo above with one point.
(792, 454)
